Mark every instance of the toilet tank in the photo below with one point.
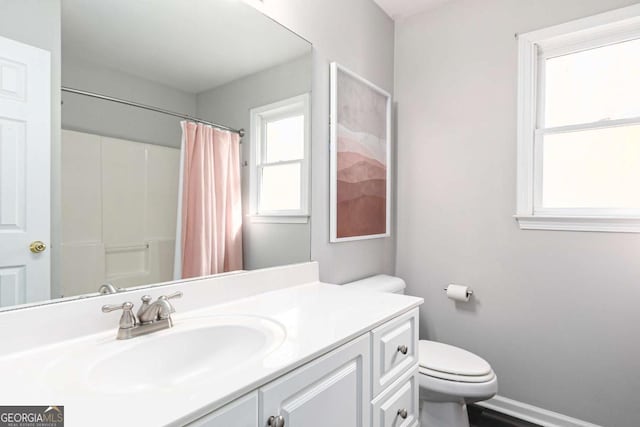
(380, 283)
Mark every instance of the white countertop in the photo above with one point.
(315, 317)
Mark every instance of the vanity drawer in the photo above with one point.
(389, 344)
(388, 408)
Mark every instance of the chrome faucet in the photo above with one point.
(151, 317)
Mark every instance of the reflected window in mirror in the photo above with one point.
(280, 161)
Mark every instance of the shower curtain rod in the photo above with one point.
(151, 108)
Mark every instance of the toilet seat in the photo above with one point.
(457, 378)
(451, 363)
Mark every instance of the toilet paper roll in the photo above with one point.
(459, 292)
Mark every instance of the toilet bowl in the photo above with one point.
(449, 377)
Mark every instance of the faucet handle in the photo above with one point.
(128, 319)
(113, 307)
(177, 294)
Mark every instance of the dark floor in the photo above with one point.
(481, 417)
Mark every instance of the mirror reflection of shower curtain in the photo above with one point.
(209, 229)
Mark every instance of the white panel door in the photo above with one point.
(333, 390)
(25, 140)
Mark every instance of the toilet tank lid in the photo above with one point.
(380, 283)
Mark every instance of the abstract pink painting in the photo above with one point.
(360, 148)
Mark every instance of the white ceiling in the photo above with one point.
(403, 8)
(193, 45)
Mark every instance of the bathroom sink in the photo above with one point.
(194, 350)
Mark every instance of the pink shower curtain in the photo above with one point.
(211, 201)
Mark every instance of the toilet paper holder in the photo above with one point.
(469, 292)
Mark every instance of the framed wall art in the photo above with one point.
(360, 158)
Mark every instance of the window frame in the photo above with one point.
(259, 118)
(533, 49)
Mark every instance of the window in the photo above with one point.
(579, 125)
(280, 161)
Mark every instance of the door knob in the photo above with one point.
(402, 413)
(37, 246)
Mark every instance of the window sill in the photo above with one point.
(579, 223)
(279, 219)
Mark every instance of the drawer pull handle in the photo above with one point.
(403, 349)
(276, 421)
(402, 413)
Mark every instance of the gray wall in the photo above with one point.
(107, 118)
(358, 35)
(264, 245)
(37, 23)
(556, 313)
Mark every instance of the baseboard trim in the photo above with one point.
(531, 413)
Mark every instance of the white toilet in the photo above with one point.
(450, 377)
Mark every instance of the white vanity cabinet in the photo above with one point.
(371, 381)
(330, 391)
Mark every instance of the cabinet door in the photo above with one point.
(242, 412)
(333, 390)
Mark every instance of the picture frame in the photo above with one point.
(360, 157)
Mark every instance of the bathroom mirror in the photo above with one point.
(183, 151)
